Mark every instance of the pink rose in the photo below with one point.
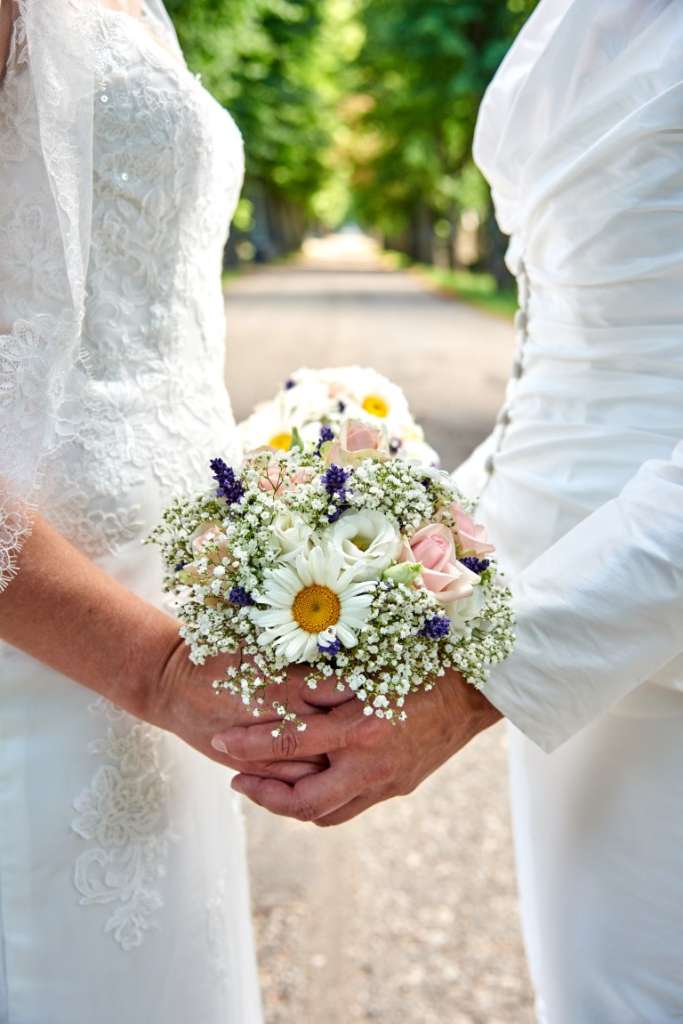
(277, 479)
(434, 548)
(470, 537)
(209, 542)
(210, 534)
(358, 441)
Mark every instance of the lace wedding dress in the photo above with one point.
(123, 887)
(580, 136)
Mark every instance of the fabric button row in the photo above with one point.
(521, 324)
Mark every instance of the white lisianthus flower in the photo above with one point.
(292, 534)
(368, 542)
(315, 594)
(415, 451)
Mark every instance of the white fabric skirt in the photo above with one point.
(123, 878)
(599, 835)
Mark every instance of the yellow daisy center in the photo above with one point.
(376, 406)
(282, 441)
(316, 608)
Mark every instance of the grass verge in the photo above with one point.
(478, 289)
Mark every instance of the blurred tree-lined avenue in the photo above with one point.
(359, 110)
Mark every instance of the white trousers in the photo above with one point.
(599, 842)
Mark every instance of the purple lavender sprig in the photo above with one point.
(435, 628)
(478, 565)
(230, 486)
(332, 648)
(326, 435)
(334, 481)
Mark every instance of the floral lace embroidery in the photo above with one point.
(134, 415)
(123, 812)
(123, 392)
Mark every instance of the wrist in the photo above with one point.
(151, 650)
(472, 706)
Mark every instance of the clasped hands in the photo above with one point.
(344, 761)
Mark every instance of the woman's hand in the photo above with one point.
(184, 702)
(65, 611)
(370, 760)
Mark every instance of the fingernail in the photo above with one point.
(218, 744)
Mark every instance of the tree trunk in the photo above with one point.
(494, 248)
(422, 234)
(453, 224)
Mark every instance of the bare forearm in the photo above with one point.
(65, 611)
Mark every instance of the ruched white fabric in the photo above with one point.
(581, 137)
(124, 893)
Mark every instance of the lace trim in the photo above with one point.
(15, 527)
(124, 814)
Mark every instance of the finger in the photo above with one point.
(323, 733)
(347, 811)
(266, 767)
(272, 794)
(329, 693)
(285, 771)
(313, 797)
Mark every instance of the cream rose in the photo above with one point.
(358, 441)
(292, 534)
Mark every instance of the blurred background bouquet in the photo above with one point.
(314, 404)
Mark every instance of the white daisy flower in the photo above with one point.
(368, 542)
(314, 594)
(269, 425)
(273, 424)
(379, 398)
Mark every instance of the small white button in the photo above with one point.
(505, 418)
(521, 320)
(490, 465)
(124, 176)
(104, 98)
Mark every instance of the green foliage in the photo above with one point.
(266, 61)
(368, 104)
(423, 69)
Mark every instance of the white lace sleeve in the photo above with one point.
(46, 116)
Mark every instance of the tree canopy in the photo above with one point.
(362, 108)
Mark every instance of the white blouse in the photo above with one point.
(581, 137)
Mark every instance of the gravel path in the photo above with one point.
(408, 914)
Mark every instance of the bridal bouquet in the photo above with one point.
(312, 400)
(335, 555)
